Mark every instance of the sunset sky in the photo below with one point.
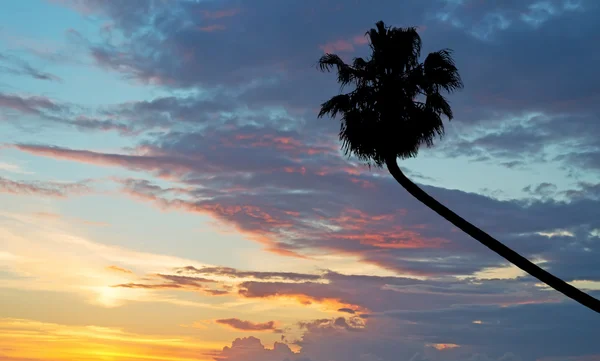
(168, 194)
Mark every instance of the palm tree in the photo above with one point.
(397, 106)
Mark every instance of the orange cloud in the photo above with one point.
(174, 282)
(444, 346)
(220, 13)
(305, 293)
(119, 269)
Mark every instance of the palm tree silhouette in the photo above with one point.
(397, 106)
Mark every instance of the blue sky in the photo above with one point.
(168, 192)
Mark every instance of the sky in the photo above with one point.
(168, 194)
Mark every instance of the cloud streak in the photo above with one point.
(247, 325)
(48, 189)
(16, 66)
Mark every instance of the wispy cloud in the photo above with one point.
(13, 65)
(13, 168)
(119, 269)
(242, 325)
(40, 188)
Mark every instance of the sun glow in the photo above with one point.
(26, 339)
(109, 296)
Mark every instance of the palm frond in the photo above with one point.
(439, 105)
(328, 61)
(337, 104)
(441, 72)
(346, 73)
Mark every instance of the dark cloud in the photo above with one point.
(169, 281)
(28, 105)
(252, 349)
(339, 323)
(505, 325)
(457, 334)
(234, 273)
(544, 189)
(247, 325)
(62, 114)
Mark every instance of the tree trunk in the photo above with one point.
(493, 244)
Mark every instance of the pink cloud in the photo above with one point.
(212, 28)
(344, 45)
(220, 13)
(39, 188)
(283, 143)
(337, 46)
(279, 227)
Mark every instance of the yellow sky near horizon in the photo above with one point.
(59, 304)
(28, 339)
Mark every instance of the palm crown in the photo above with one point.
(397, 103)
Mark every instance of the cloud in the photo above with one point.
(28, 105)
(119, 269)
(46, 109)
(14, 65)
(252, 349)
(242, 325)
(13, 168)
(350, 324)
(170, 282)
(449, 334)
(234, 273)
(50, 216)
(297, 214)
(39, 188)
(359, 295)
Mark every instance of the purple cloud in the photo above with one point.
(242, 325)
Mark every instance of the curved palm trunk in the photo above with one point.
(493, 244)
